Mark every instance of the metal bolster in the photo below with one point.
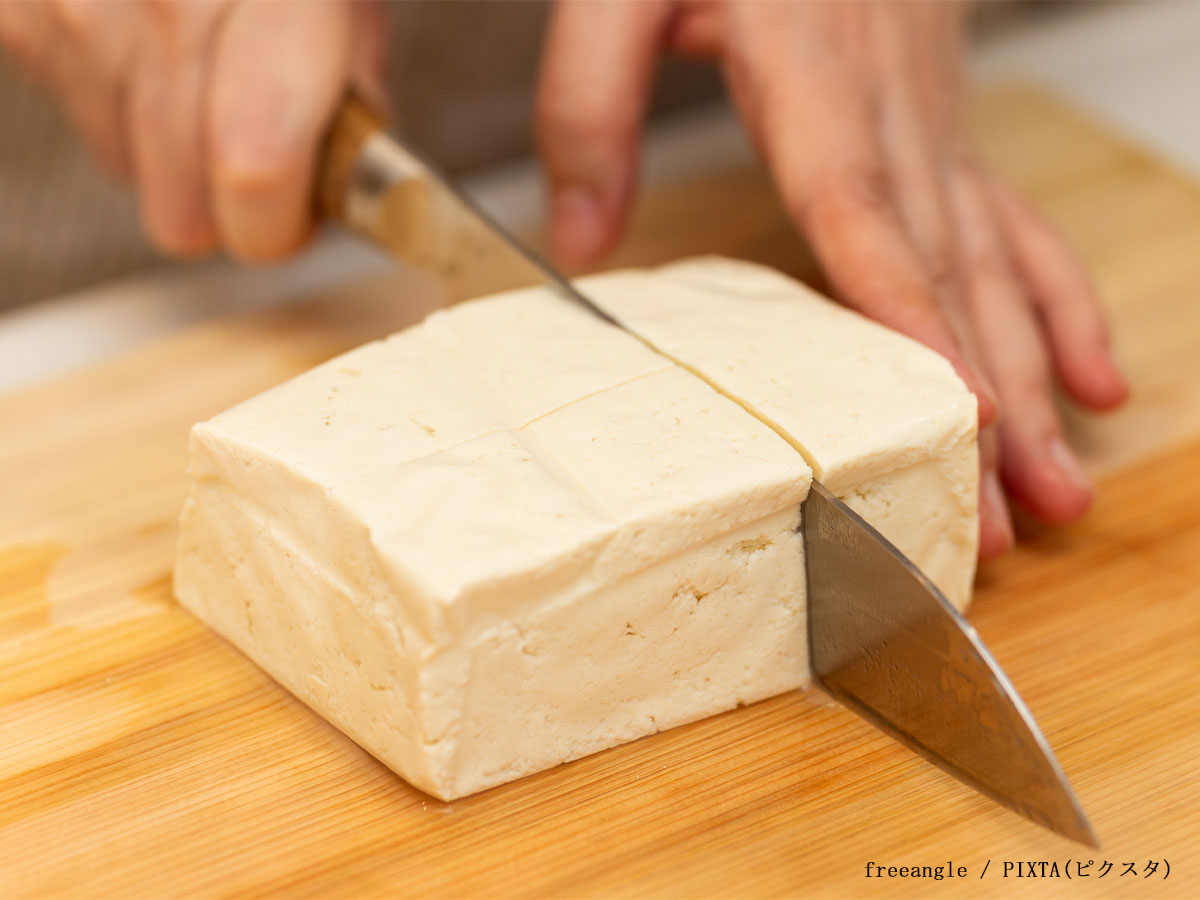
(379, 164)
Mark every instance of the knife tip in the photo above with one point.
(1081, 831)
(1069, 821)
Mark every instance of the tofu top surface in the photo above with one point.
(856, 398)
(511, 438)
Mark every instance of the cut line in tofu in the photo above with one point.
(884, 422)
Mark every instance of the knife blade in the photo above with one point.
(885, 642)
(882, 638)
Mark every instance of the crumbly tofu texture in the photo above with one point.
(514, 535)
(884, 422)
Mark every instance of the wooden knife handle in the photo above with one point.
(377, 187)
(365, 179)
(353, 123)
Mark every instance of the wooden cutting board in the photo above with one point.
(141, 756)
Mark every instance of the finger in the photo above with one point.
(1038, 468)
(809, 116)
(278, 72)
(913, 142)
(100, 40)
(995, 523)
(1067, 302)
(77, 50)
(942, 78)
(368, 65)
(918, 90)
(593, 89)
(166, 128)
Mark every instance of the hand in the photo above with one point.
(213, 108)
(856, 109)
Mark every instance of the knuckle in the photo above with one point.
(868, 187)
(941, 264)
(258, 167)
(991, 265)
(577, 125)
(249, 181)
(839, 200)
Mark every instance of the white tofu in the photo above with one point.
(884, 422)
(480, 556)
(514, 535)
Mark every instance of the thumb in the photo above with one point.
(593, 90)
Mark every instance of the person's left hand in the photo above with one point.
(856, 109)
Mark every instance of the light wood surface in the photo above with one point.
(141, 756)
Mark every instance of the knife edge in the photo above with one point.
(880, 633)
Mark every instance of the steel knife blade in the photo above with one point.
(883, 639)
(885, 642)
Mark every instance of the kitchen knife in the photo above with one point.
(882, 638)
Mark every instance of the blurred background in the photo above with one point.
(79, 282)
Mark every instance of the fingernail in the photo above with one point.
(994, 507)
(1067, 464)
(986, 406)
(989, 406)
(575, 220)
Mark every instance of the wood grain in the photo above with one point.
(140, 756)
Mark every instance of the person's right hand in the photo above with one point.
(214, 109)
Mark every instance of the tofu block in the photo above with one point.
(508, 537)
(884, 422)
(514, 535)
